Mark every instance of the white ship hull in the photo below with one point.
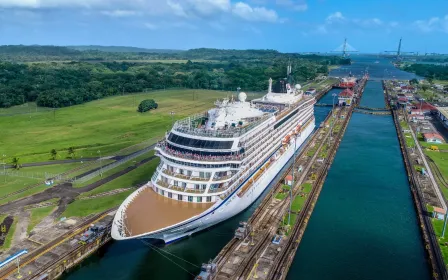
(227, 208)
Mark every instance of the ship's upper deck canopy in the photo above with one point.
(285, 94)
(230, 119)
(232, 114)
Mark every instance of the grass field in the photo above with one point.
(115, 170)
(82, 208)
(105, 125)
(438, 227)
(141, 174)
(306, 187)
(38, 214)
(441, 160)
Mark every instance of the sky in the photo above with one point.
(286, 25)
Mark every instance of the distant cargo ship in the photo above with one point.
(215, 164)
(347, 82)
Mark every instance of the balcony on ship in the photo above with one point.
(167, 187)
(166, 150)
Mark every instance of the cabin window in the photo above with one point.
(179, 197)
(209, 199)
(170, 195)
(204, 186)
(190, 198)
(199, 199)
(176, 183)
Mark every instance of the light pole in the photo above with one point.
(101, 164)
(293, 179)
(4, 166)
(172, 118)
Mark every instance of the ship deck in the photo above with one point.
(150, 211)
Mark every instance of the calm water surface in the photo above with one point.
(364, 225)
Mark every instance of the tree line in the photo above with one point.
(429, 71)
(61, 84)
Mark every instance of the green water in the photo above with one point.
(364, 225)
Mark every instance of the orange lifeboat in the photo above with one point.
(286, 140)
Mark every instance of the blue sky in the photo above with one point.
(285, 25)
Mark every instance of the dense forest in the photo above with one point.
(429, 71)
(71, 80)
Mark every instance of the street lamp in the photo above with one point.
(101, 164)
(4, 166)
(293, 178)
(172, 118)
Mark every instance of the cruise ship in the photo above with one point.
(215, 164)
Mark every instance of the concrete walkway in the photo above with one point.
(434, 183)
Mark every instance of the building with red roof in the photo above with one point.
(288, 180)
(433, 138)
(345, 97)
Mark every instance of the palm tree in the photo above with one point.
(71, 152)
(53, 153)
(16, 163)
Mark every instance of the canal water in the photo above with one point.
(366, 188)
(364, 225)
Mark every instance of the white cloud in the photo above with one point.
(370, 22)
(293, 4)
(321, 29)
(335, 17)
(432, 24)
(120, 13)
(248, 13)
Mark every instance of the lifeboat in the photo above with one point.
(286, 140)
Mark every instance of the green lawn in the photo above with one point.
(281, 196)
(38, 214)
(12, 184)
(298, 203)
(438, 227)
(293, 219)
(312, 151)
(428, 145)
(29, 192)
(141, 174)
(409, 140)
(115, 169)
(441, 160)
(108, 125)
(82, 208)
(404, 124)
(306, 187)
(9, 236)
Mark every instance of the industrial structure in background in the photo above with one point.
(345, 48)
(398, 53)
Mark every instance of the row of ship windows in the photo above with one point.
(184, 184)
(232, 165)
(180, 197)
